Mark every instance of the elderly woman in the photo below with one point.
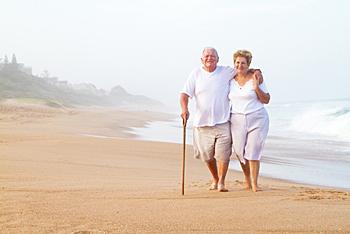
(249, 119)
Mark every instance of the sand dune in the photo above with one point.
(55, 179)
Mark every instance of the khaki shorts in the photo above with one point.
(212, 142)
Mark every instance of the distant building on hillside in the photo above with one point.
(14, 66)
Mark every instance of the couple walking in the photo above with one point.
(230, 118)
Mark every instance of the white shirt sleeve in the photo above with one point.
(232, 71)
(189, 86)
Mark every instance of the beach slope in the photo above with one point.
(56, 176)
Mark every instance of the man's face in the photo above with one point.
(209, 59)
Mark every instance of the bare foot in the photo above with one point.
(221, 188)
(213, 186)
(256, 188)
(248, 186)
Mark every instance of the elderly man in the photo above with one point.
(209, 86)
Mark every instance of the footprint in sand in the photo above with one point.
(320, 194)
(89, 232)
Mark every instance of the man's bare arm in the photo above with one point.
(257, 73)
(185, 114)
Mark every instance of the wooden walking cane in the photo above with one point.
(184, 122)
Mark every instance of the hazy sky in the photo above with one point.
(150, 47)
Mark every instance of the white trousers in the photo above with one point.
(249, 132)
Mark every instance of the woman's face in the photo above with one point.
(241, 65)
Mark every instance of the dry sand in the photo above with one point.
(54, 179)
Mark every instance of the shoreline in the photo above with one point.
(55, 180)
(301, 184)
(306, 161)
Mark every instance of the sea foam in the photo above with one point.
(330, 122)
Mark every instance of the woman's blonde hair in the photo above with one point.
(243, 53)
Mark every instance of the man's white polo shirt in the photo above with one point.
(210, 91)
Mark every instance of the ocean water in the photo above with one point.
(308, 142)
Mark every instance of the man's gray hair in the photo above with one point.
(210, 48)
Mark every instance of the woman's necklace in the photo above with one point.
(242, 79)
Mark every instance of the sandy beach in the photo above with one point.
(57, 176)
